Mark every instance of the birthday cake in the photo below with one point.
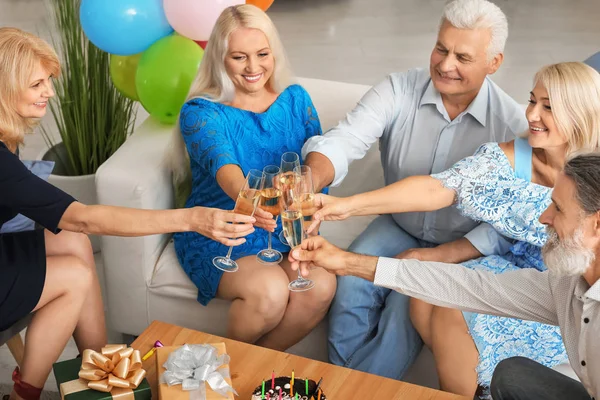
(283, 382)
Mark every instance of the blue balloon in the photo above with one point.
(124, 27)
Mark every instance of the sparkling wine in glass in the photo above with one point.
(293, 229)
(306, 193)
(289, 162)
(270, 197)
(247, 200)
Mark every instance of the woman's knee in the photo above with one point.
(446, 318)
(66, 276)
(70, 243)
(268, 295)
(78, 273)
(420, 312)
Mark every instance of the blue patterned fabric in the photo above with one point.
(487, 189)
(216, 135)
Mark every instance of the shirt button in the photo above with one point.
(586, 320)
(583, 363)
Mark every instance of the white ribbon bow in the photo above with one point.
(192, 365)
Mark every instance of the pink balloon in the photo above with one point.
(195, 19)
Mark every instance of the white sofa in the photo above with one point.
(144, 281)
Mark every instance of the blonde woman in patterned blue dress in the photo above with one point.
(507, 185)
(243, 113)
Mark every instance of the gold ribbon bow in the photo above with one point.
(117, 366)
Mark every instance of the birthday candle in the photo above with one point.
(268, 396)
(292, 384)
(296, 397)
(306, 382)
(319, 395)
(280, 393)
(262, 396)
(148, 354)
(273, 380)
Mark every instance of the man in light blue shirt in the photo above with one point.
(425, 121)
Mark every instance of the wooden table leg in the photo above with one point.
(17, 348)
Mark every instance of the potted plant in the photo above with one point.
(92, 117)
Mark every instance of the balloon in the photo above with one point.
(202, 43)
(123, 27)
(262, 4)
(164, 76)
(122, 72)
(195, 19)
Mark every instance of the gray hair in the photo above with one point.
(479, 14)
(584, 170)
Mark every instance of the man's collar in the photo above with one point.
(592, 292)
(478, 107)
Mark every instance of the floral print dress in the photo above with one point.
(489, 190)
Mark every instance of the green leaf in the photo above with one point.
(93, 118)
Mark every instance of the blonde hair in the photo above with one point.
(212, 81)
(20, 54)
(574, 93)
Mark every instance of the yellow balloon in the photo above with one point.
(122, 72)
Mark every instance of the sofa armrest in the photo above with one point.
(135, 176)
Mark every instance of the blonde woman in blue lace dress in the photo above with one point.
(507, 185)
(242, 113)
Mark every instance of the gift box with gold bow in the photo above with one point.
(114, 373)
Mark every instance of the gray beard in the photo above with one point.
(567, 257)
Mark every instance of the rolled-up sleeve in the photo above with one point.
(524, 294)
(364, 125)
(488, 241)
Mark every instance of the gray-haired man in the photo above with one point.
(425, 120)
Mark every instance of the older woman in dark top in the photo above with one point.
(52, 272)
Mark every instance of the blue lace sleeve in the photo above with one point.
(205, 136)
(487, 190)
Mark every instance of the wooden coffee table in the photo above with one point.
(250, 365)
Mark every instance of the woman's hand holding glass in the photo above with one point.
(246, 204)
(222, 226)
(330, 208)
(265, 219)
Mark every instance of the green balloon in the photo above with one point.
(122, 72)
(165, 74)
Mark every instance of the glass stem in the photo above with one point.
(270, 234)
(229, 252)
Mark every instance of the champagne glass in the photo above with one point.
(293, 228)
(306, 193)
(289, 162)
(246, 203)
(269, 201)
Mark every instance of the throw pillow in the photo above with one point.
(21, 223)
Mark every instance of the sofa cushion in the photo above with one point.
(21, 223)
(169, 279)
